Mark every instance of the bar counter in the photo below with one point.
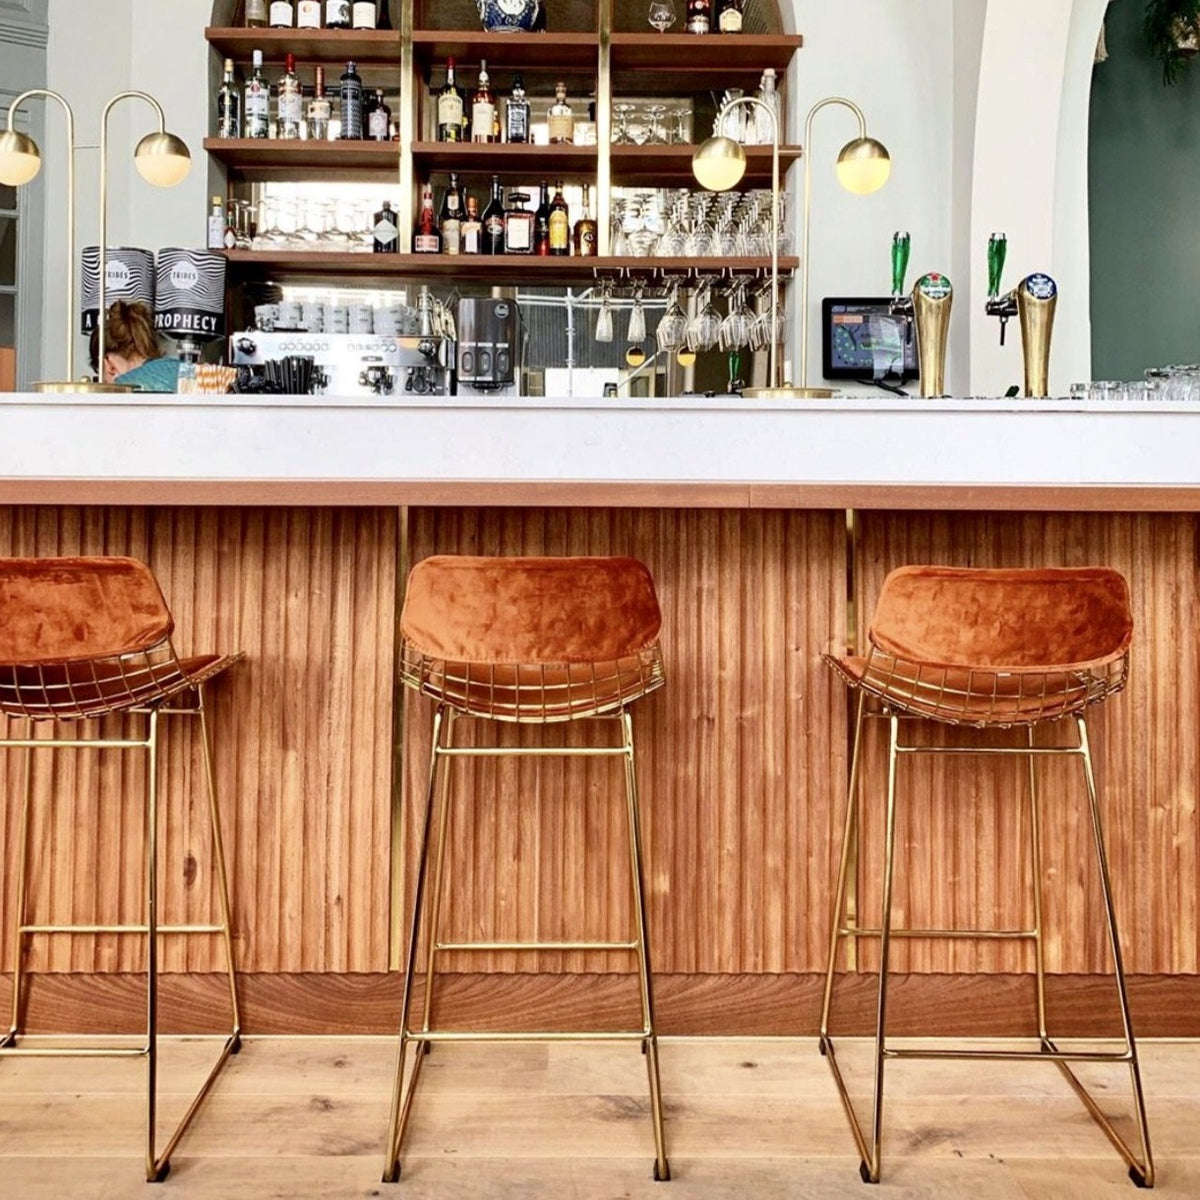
(284, 526)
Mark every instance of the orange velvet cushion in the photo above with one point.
(1004, 619)
(462, 608)
(58, 610)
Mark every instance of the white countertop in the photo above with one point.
(888, 444)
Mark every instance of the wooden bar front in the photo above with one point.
(320, 761)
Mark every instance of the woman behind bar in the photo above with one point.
(131, 352)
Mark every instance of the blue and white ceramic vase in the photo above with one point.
(511, 16)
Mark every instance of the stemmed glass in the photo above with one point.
(637, 319)
(704, 329)
(737, 326)
(604, 318)
(621, 136)
(672, 328)
(655, 135)
(661, 15)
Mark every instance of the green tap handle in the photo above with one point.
(901, 243)
(997, 252)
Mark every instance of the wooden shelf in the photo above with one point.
(299, 266)
(640, 60)
(484, 158)
(663, 165)
(265, 160)
(367, 47)
(565, 53)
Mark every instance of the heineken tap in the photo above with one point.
(929, 307)
(1033, 302)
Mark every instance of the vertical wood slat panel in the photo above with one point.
(962, 826)
(301, 732)
(737, 754)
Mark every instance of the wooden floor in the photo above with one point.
(294, 1118)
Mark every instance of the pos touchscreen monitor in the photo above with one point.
(861, 339)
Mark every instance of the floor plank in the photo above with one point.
(297, 1118)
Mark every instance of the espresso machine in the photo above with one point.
(929, 306)
(489, 345)
(1033, 302)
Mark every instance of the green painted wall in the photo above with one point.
(1144, 194)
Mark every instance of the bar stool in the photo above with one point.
(533, 641)
(990, 649)
(83, 638)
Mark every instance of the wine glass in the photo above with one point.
(621, 135)
(661, 15)
(637, 320)
(604, 318)
(672, 328)
(655, 135)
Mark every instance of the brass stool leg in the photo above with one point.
(1035, 869)
(662, 1168)
(18, 946)
(1140, 1171)
(156, 1171)
(401, 1097)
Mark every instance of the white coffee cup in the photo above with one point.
(387, 320)
(266, 317)
(312, 316)
(362, 318)
(289, 315)
(337, 319)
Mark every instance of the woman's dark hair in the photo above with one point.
(129, 333)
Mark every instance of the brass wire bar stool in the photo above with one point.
(531, 641)
(80, 639)
(988, 649)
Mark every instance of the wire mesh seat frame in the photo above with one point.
(533, 693)
(899, 691)
(142, 683)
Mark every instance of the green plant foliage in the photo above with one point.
(1160, 27)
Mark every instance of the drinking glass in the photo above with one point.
(637, 320)
(680, 133)
(704, 329)
(735, 329)
(672, 328)
(604, 318)
(661, 15)
(654, 134)
(621, 135)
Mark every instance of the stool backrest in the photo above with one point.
(64, 610)
(470, 609)
(1015, 619)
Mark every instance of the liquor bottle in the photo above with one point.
(362, 14)
(383, 19)
(386, 230)
(426, 239)
(216, 225)
(320, 110)
(289, 101)
(229, 106)
(764, 127)
(560, 223)
(729, 15)
(560, 118)
(472, 229)
(450, 217)
(379, 118)
(257, 106)
(449, 108)
(283, 14)
(352, 103)
(699, 16)
(308, 14)
(483, 108)
(337, 14)
(229, 236)
(493, 221)
(256, 13)
(541, 221)
(518, 225)
(516, 113)
(585, 228)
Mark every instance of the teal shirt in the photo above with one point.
(154, 375)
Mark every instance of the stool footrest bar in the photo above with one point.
(854, 931)
(539, 946)
(121, 929)
(542, 1035)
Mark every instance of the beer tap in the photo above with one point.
(1004, 307)
(1034, 301)
(928, 309)
(901, 305)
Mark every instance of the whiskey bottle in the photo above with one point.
(560, 223)
(426, 238)
(560, 118)
(541, 221)
(256, 14)
(352, 103)
(257, 97)
(337, 14)
(362, 15)
(379, 118)
(289, 104)
(449, 108)
(386, 230)
(283, 14)
(493, 221)
(320, 110)
(308, 14)
(585, 228)
(699, 16)
(216, 225)
(729, 15)
(472, 229)
(518, 225)
(450, 217)
(483, 108)
(229, 106)
(516, 113)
